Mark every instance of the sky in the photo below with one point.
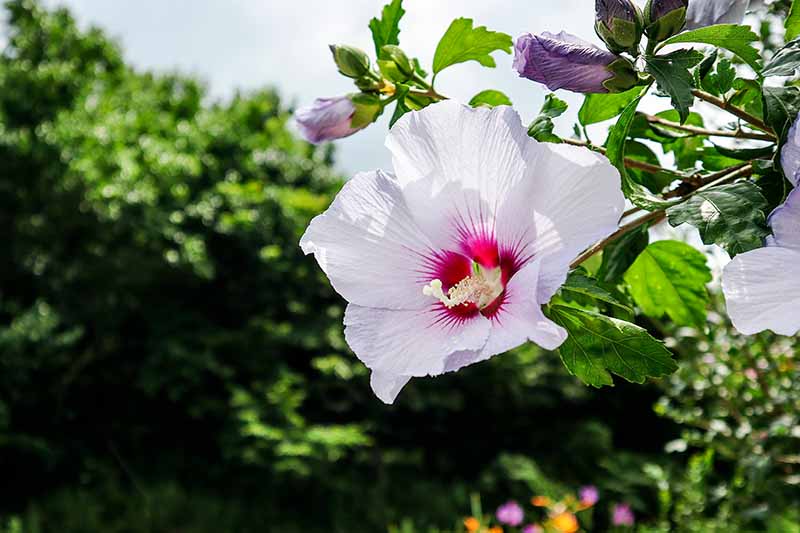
(246, 44)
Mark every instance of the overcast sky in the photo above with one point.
(245, 44)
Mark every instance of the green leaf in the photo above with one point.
(705, 66)
(781, 106)
(672, 74)
(669, 278)
(542, 126)
(620, 254)
(461, 42)
(599, 345)
(726, 75)
(580, 283)
(615, 151)
(604, 106)
(792, 23)
(732, 216)
(386, 30)
(490, 98)
(732, 37)
(785, 61)
(655, 182)
(746, 154)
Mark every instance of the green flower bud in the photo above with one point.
(664, 18)
(394, 64)
(352, 62)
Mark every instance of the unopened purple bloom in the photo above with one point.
(619, 23)
(327, 119)
(510, 513)
(607, 10)
(622, 515)
(661, 8)
(533, 528)
(563, 61)
(664, 18)
(703, 13)
(588, 495)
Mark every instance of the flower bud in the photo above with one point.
(664, 18)
(352, 62)
(394, 64)
(334, 118)
(619, 24)
(702, 13)
(564, 61)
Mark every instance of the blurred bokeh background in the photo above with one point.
(169, 362)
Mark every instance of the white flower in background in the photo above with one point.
(448, 262)
(762, 287)
(790, 154)
(703, 13)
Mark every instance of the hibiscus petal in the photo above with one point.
(702, 13)
(410, 343)
(369, 245)
(457, 165)
(785, 222)
(790, 154)
(387, 386)
(520, 318)
(762, 290)
(574, 198)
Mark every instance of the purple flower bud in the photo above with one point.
(588, 495)
(619, 23)
(703, 13)
(510, 513)
(334, 118)
(664, 18)
(564, 61)
(622, 515)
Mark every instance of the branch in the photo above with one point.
(738, 134)
(732, 109)
(630, 163)
(655, 216)
(712, 180)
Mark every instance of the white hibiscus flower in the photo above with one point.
(448, 261)
(762, 287)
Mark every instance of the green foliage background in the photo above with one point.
(170, 362)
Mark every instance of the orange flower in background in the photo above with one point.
(540, 501)
(472, 524)
(496, 529)
(565, 522)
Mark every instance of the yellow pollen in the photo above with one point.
(481, 288)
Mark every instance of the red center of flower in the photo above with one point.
(479, 258)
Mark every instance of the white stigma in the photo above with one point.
(482, 288)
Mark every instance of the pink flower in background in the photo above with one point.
(510, 514)
(533, 528)
(448, 262)
(751, 374)
(622, 515)
(588, 495)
